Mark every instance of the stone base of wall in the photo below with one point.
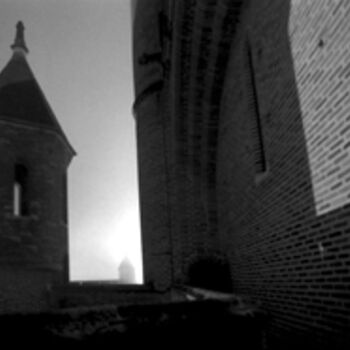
(93, 294)
(24, 290)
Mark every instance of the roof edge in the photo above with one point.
(43, 127)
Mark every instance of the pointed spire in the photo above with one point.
(19, 45)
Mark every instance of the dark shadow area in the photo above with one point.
(179, 324)
(210, 272)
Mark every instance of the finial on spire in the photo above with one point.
(19, 45)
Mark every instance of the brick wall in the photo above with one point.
(322, 69)
(286, 250)
(24, 290)
(90, 294)
(153, 195)
(283, 134)
(37, 240)
(148, 112)
(200, 41)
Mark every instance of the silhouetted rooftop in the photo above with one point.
(21, 98)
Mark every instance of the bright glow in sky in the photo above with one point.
(80, 53)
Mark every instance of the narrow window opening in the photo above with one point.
(64, 199)
(259, 148)
(17, 194)
(20, 207)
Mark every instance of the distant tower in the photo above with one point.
(126, 272)
(35, 155)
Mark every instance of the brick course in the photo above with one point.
(321, 69)
(285, 250)
(35, 245)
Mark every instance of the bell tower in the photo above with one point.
(35, 155)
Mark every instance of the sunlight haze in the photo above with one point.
(80, 53)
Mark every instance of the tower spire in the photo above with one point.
(19, 45)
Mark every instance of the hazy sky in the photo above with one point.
(80, 53)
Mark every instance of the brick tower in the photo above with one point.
(35, 155)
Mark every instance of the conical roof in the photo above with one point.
(21, 98)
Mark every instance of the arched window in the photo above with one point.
(20, 203)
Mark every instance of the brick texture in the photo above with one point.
(148, 112)
(34, 244)
(286, 231)
(244, 154)
(322, 70)
(24, 290)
